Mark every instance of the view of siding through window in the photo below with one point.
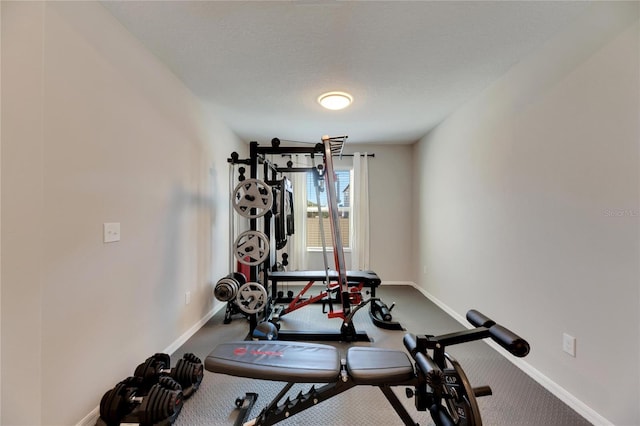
(314, 238)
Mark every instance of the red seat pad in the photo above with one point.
(298, 362)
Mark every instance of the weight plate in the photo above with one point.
(169, 383)
(240, 279)
(252, 198)
(226, 289)
(149, 413)
(252, 297)
(251, 248)
(192, 357)
(108, 410)
(146, 369)
(463, 404)
(113, 406)
(181, 374)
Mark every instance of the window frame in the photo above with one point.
(325, 209)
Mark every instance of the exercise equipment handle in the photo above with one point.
(509, 340)
(433, 375)
(410, 343)
(478, 319)
(506, 338)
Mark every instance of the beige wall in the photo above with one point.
(529, 210)
(96, 130)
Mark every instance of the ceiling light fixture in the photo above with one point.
(335, 100)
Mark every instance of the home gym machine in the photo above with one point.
(268, 205)
(437, 383)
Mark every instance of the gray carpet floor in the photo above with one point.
(516, 399)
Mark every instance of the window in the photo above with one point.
(343, 190)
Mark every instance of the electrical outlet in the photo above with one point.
(111, 232)
(187, 298)
(569, 344)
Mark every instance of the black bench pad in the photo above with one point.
(298, 362)
(302, 362)
(368, 278)
(375, 366)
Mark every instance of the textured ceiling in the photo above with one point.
(261, 65)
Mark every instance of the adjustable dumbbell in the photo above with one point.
(128, 403)
(226, 288)
(188, 371)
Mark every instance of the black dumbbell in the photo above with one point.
(128, 403)
(188, 371)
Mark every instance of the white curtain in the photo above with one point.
(360, 213)
(297, 245)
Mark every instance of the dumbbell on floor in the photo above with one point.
(188, 371)
(128, 402)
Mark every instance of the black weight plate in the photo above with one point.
(146, 369)
(169, 383)
(240, 278)
(192, 358)
(180, 373)
(163, 360)
(161, 405)
(197, 374)
(177, 401)
(115, 407)
(105, 405)
(148, 415)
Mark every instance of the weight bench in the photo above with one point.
(369, 279)
(439, 383)
(300, 362)
(356, 280)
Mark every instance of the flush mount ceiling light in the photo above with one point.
(335, 100)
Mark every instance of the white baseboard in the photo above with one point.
(561, 393)
(412, 284)
(91, 418)
(190, 332)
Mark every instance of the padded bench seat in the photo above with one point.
(377, 366)
(368, 278)
(302, 362)
(298, 362)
